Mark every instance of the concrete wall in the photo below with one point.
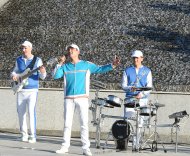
(50, 113)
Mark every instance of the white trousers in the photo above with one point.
(132, 113)
(27, 100)
(82, 107)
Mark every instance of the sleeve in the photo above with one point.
(99, 69)
(15, 70)
(41, 75)
(57, 72)
(124, 83)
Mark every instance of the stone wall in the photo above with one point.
(2, 2)
(102, 29)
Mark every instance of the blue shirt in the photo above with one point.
(77, 77)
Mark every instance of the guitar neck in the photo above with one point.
(49, 62)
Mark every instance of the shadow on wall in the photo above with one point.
(175, 42)
(181, 8)
(180, 42)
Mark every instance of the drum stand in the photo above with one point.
(176, 126)
(155, 136)
(98, 128)
(107, 139)
(136, 146)
(96, 121)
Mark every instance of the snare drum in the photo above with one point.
(121, 129)
(147, 111)
(131, 102)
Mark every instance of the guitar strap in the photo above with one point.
(31, 65)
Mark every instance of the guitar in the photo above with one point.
(22, 78)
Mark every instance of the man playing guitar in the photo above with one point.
(28, 89)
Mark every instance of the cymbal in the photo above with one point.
(159, 105)
(143, 88)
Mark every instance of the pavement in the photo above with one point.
(10, 145)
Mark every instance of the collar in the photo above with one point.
(135, 67)
(29, 58)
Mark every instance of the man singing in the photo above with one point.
(76, 75)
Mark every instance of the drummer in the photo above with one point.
(136, 76)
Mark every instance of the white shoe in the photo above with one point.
(32, 140)
(63, 150)
(24, 139)
(87, 152)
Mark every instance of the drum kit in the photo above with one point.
(122, 129)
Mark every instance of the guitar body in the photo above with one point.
(18, 85)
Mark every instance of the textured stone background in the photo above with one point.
(102, 28)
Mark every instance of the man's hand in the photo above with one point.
(61, 59)
(42, 69)
(139, 96)
(133, 89)
(15, 78)
(116, 61)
